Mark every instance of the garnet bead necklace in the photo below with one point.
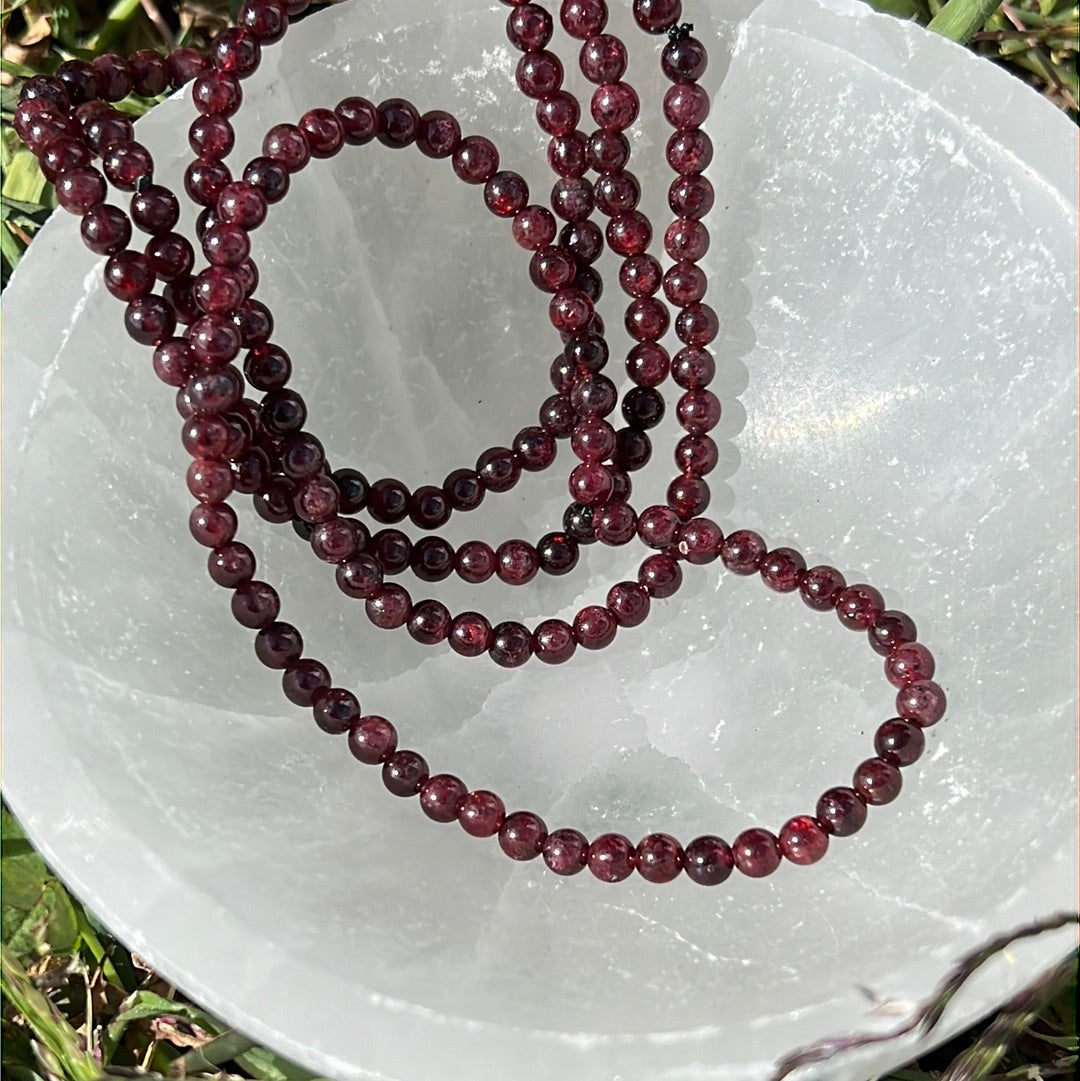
(263, 449)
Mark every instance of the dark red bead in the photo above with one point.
(657, 16)
(629, 233)
(481, 813)
(265, 20)
(658, 858)
(693, 197)
(255, 604)
(432, 559)
(539, 73)
(648, 364)
(437, 134)
(279, 645)
(565, 851)
(505, 194)
(699, 540)
(353, 488)
(558, 553)
(174, 362)
(470, 634)
(708, 860)
(305, 682)
(65, 152)
(688, 496)
(602, 59)
(286, 145)
(213, 524)
(441, 797)
(558, 113)
(697, 324)
(646, 320)
(858, 606)
(322, 131)
(404, 773)
(660, 575)
(171, 256)
(205, 179)
(149, 319)
(79, 189)
(474, 562)
(268, 176)
(583, 18)
(389, 608)
(907, 663)
(80, 80)
(756, 852)
(429, 622)
(629, 603)
(534, 448)
(235, 50)
(877, 781)
(686, 105)
(360, 577)
(274, 503)
(335, 541)
(128, 275)
(498, 469)
(231, 564)
(922, 701)
(516, 562)
(475, 159)
(611, 857)
(782, 568)
(372, 740)
(398, 123)
(388, 500)
(640, 275)
(528, 27)
(584, 240)
(242, 204)
(614, 106)
(696, 454)
(803, 840)
(155, 210)
(572, 198)
(657, 526)
(614, 523)
(890, 630)
(551, 269)
(522, 835)
(149, 73)
(841, 811)
(684, 60)
(336, 711)
(511, 644)
(899, 742)
(557, 415)
(743, 552)
(183, 65)
(359, 120)
(534, 227)
(553, 641)
(463, 489)
(633, 449)
(821, 587)
(217, 93)
(316, 499)
(689, 151)
(595, 627)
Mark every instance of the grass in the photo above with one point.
(77, 1005)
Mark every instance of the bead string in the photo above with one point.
(63, 121)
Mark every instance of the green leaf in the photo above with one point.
(959, 19)
(10, 67)
(266, 1066)
(24, 180)
(145, 1005)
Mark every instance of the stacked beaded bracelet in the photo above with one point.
(239, 445)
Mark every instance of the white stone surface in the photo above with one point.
(893, 259)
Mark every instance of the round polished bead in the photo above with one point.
(803, 840)
(269, 367)
(216, 93)
(398, 123)
(437, 134)
(692, 197)
(648, 364)
(359, 121)
(578, 523)
(463, 489)
(688, 496)
(274, 503)
(782, 568)
(183, 65)
(372, 740)
(614, 523)
(171, 256)
(595, 627)
(235, 50)
(553, 641)
(336, 711)
(607, 151)
(686, 105)
(285, 144)
(584, 240)
(565, 851)
(391, 549)
(821, 587)
(908, 663)
(689, 152)
(708, 860)
(877, 781)
(557, 553)
(558, 113)
(693, 369)
(639, 275)
(429, 623)
(323, 132)
(265, 20)
(230, 565)
(756, 852)
(539, 73)
(614, 106)
(686, 240)
(743, 552)
(590, 484)
(174, 362)
(567, 157)
(528, 27)
(858, 606)
(218, 390)
(611, 857)
(629, 233)
(629, 603)
(684, 60)
(696, 454)
(79, 189)
(62, 153)
(594, 396)
(114, 77)
(534, 227)
(441, 797)
(570, 311)
(516, 562)
(335, 541)
(534, 448)
(432, 559)
(697, 324)
(660, 575)
(602, 59)
(511, 644)
(428, 507)
(305, 682)
(218, 290)
(505, 194)
(551, 269)
(646, 319)
(699, 541)
(316, 499)
(498, 469)
(149, 320)
(389, 608)
(388, 500)
(572, 198)
(657, 526)
(470, 634)
(278, 645)
(583, 18)
(404, 773)
(899, 742)
(242, 204)
(149, 73)
(80, 79)
(522, 835)
(128, 275)
(657, 16)
(633, 449)
(698, 411)
(481, 813)
(922, 701)
(659, 858)
(155, 210)
(212, 524)
(474, 562)
(890, 630)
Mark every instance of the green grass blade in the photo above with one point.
(959, 19)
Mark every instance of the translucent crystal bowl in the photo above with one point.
(893, 260)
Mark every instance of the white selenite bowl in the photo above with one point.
(893, 259)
